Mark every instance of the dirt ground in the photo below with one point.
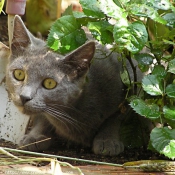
(62, 149)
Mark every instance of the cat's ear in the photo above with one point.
(4, 51)
(79, 60)
(21, 37)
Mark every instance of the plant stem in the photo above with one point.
(151, 47)
(134, 72)
(60, 157)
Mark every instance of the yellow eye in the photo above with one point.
(19, 74)
(49, 83)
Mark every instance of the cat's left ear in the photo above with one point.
(21, 36)
(4, 51)
(79, 60)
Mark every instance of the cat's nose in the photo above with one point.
(25, 98)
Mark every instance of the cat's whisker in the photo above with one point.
(69, 107)
(78, 122)
(58, 113)
(57, 106)
(61, 119)
(68, 118)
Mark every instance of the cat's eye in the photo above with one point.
(19, 74)
(49, 83)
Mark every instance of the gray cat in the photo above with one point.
(76, 96)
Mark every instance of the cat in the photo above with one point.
(76, 96)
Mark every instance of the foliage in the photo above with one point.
(1, 5)
(130, 26)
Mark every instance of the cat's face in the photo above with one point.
(37, 77)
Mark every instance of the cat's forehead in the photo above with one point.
(38, 58)
(45, 64)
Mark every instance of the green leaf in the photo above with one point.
(146, 11)
(83, 19)
(172, 66)
(168, 42)
(144, 61)
(132, 37)
(133, 131)
(170, 18)
(152, 84)
(161, 138)
(66, 35)
(112, 10)
(150, 111)
(159, 71)
(1, 5)
(170, 90)
(125, 77)
(92, 8)
(118, 3)
(169, 112)
(160, 4)
(68, 11)
(169, 150)
(171, 35)
(101, 31)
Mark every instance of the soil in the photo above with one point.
(77, 151)
(61, 148)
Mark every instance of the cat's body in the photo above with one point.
(78, 99)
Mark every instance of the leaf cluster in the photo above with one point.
(143, 30)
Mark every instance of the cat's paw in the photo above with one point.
(35, 143)
(108, 147)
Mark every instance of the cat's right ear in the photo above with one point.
(79, 60)
(21, 36)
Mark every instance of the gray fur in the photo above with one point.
(84, 104)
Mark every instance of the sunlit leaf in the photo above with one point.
(146, 11)
(102, 31)
(152, 84)
(130, 36)
(92, 8)
(66, 35)
(125, 78)
(170, 90)
(162, 140)
(169, 150)
(112, 10)
(160, 4)
(169, 112)
(148, 110)
(172, 66)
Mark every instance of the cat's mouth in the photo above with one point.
(33, 108)
(29, 108)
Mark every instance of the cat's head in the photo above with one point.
(37, 77)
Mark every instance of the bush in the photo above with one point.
(130, 26)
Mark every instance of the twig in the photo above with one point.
(61, 157)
